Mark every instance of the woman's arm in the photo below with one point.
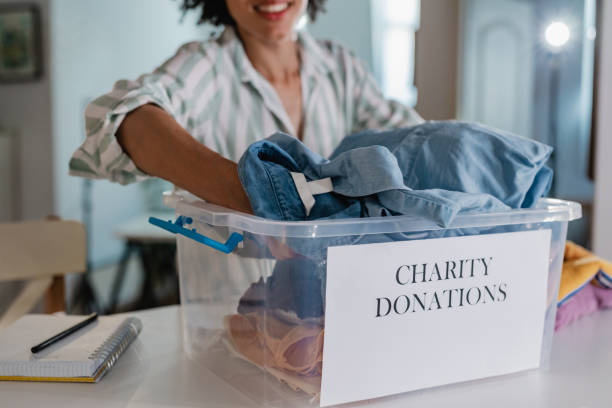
(159, 146)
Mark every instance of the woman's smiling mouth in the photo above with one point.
(273, 11)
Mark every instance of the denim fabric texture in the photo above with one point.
(293, 287)
(435, 170)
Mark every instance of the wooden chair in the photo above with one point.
(41, 253)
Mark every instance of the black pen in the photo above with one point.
(65, 333)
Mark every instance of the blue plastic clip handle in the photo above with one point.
(177, 228)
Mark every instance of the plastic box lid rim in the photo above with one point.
(546, 210)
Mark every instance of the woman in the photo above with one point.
(193, 117)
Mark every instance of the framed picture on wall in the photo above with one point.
(20, 49)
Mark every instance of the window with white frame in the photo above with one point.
(394, 23)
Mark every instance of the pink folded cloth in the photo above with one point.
(588, 300)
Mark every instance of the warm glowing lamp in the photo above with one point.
(557, 34)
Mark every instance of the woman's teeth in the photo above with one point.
(272, 8)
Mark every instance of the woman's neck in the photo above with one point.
(277, 61)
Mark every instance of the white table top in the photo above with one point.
(154, 373)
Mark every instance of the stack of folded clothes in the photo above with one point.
(586, 283)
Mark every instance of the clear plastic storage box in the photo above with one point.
(253, 290)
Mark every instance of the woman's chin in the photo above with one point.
(280, 36)
(274, 34)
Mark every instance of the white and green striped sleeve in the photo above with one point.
(100, 155)
(371, 109)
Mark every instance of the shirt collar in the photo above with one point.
(315, 59)
(241, 62)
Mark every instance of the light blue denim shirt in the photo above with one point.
(434, 170)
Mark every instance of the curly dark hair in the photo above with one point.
(216, 13)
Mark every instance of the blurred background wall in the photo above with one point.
(602, 225)
(25, 112)
(436, 58)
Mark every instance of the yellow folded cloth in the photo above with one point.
(580, 267)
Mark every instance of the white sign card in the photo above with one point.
(402, 316)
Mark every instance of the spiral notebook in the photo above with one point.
(84, 356)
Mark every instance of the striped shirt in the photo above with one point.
(212, 90)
